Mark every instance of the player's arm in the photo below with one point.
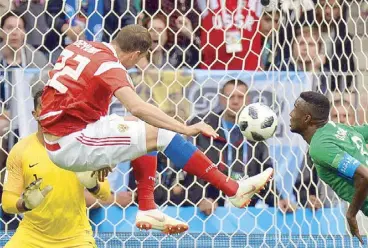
(11, 203)
(359, 197)
(363, 130)
(156, 117)
(361, 190)
(100, 190)
(147, 112)
(122, 199)
(13, 184)
(103, 191)
(14, 199)
(113, 76)
(332, 157)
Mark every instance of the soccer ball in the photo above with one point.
(257, 122)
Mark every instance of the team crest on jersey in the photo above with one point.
(122, 128)
(341, 134)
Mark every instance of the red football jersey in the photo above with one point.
(81, 86)
(236, 16)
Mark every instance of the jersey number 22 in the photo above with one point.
(82, 62)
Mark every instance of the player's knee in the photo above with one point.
(151, 137)
(164, 137)
(151, 130)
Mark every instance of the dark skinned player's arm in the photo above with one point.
(361, 190)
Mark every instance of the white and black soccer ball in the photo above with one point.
(257, 122)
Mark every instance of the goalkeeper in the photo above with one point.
(338, 151)
(53, 203)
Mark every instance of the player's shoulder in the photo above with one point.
(26, 141)
(98, 51)
(323, 136)
(330, 130)
(23, 144)
(329, 136)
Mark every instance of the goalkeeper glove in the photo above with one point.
(88, 180)
(33, 196)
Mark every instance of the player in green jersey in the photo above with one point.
(338, 151)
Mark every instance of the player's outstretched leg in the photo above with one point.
(112, 140)
(144, 170)
(148, 217)
(186, 156)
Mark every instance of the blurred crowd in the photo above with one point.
(195, 34)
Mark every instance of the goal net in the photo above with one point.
(208, 59)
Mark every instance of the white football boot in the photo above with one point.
(250, 186)
(157, 220)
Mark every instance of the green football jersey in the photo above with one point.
(336, 151)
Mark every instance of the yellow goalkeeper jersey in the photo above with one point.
(61, 218)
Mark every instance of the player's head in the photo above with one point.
(233, 97)
(132, 43)
(310, 109)
(307, 44)
(342, 112)
(37, 104)
(161, 35)
(13, 30)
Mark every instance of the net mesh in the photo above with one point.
(198, 46)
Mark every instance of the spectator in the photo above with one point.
(16, 53)
(307, 54)
(175, 11)
(46, 25)
(268, 28)
(232, 154)
(35, 18)
(343, 112)
(306, 50)
(292, 13)
(184, 19)
(338, 45)
(229, 36)
(164, 53)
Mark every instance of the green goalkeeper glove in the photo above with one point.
(33, 196)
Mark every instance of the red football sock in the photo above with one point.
(200, 166)
(144, 169)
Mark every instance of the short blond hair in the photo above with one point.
(133, 38)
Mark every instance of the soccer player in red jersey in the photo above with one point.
(81, 136)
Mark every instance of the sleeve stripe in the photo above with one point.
(106, 66)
